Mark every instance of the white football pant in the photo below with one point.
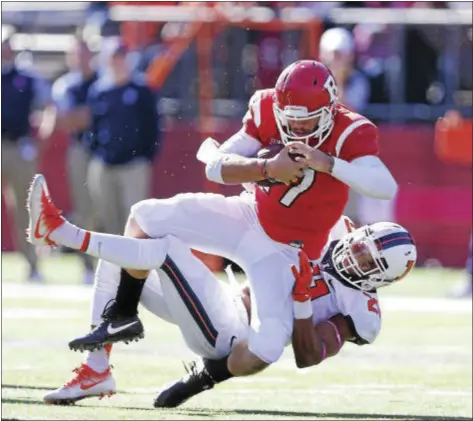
(186, 293)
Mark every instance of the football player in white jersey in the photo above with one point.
(334, 302)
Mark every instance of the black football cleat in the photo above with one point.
(114, 328)
(196, 380)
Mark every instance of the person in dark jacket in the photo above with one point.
(121, 129)
(23, 92)
(69, 92)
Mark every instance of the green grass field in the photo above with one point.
(420, 367)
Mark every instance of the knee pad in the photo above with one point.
(268, 341)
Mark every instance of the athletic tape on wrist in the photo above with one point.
(302, 310)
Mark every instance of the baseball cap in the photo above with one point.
(337, 39)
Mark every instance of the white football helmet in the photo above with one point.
(375, 255)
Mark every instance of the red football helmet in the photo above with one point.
(306, 94)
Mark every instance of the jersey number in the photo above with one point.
(373, 305)
(295, 191)
(319, 289)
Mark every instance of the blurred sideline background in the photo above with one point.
(403, 64)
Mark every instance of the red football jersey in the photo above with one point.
(305, 213)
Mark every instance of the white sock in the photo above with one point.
(97, 360)
(127, 252)
(107, 277)
(69, 235)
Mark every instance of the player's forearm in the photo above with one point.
(235, 169)
(374, 181)
(238, 169)
(308, 347)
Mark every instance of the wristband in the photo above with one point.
(265, 172)
(262, 168)
(302, 310)
(332, 163)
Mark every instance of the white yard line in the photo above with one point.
(354, 390)
(328, 389)
(47, 292)
(40, 313)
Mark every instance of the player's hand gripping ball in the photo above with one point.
(269, 152)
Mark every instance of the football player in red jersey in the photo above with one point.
(337, 150)
(303, 108)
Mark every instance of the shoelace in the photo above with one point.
(191, 368)
(109, 310)
(81, 374)
(50, 210)
(194, 371)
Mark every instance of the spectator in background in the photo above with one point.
(69, 92)
(122, 133)
(337, 52)
(22, 93)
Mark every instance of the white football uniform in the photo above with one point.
(361, 309)
(229, 227)
(212, 317)
(186, 293)
(332, 296)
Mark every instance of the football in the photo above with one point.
(266, 153)
(269, 152)
(272, 150)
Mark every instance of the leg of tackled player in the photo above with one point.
(242, 362)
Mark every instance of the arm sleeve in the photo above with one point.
(366, 175)
(241, 144)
